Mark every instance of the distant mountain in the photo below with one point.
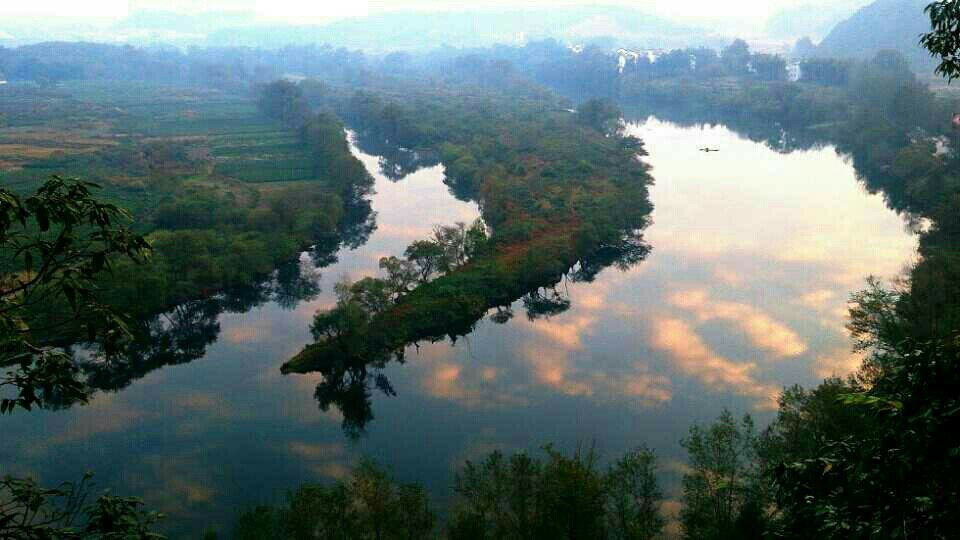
(20, 30)
(884, 24)
(467, 29)
(813, 20)
(201, 23)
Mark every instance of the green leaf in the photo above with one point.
(43, 219)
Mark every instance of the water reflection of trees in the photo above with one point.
(358, 223)
(888, 160)
(902, 164)
(546, 302)
(778, 136)
(183, 334)
(396, 162)
(350, 379)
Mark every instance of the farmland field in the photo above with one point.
(116, 134)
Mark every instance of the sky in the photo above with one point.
(323, 9)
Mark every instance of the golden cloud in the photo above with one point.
(693, 357)
(728, 276)
(818, 299)
(470, 386)
(242, 334)
(761, 329)
(553, 368)
(567, 332)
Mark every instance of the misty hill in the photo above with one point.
(467, 29)
(201, 23)
(811, 20)
(884, 24)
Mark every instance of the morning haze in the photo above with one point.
(424, 270)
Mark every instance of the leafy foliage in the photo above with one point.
(874, 456)
(56, 244)
(634, 497)
(871, 457)
(511, 498)
(600, 114)
(723, 494)
(369, 505)
(30, 512)
(943, 41)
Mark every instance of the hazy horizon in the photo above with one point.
(771, 26)
(299, 11)
(437, 270)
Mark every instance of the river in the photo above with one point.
(754, 254)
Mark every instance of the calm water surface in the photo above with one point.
(754, 256)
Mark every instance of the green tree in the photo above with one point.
(560, 497)
(736, 58)
(256, 523)
(370, 505)
(54, 246)
(458, 243)
(344, 323)
(320, 512)
(572, 496)
(283, 100)
(497, 498)
(723, 494)
(602, 115)
(769, 67)
(875, 457)
(402, 275)
(633, 497)
(427, 257)
(415, 518)
(31, 512)
(808, 422)
(943, 41)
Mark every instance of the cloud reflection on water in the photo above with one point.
(754, 256)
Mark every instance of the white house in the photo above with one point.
(794, 71)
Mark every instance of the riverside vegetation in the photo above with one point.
(873, 455)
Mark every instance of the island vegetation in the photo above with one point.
(562, 194)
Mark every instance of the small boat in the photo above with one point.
(708, 150)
